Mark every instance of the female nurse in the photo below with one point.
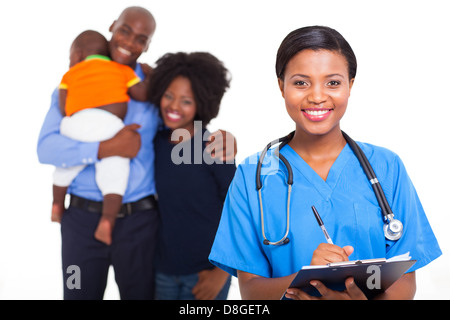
(316, 69)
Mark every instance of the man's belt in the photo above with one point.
(147, 203)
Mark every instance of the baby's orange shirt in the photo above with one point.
(95, 82)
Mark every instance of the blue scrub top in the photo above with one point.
(345, 201)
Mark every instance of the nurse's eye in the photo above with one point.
(334, 83)
(300, 83)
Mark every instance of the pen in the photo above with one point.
(320, 222)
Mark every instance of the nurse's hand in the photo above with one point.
(352, 292)
(324, 254)
(328, 253)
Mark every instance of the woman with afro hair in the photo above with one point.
(191, 186)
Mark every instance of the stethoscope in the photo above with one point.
(392, 228)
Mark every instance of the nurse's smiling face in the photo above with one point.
(316, 88)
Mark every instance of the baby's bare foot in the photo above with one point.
(104, 231)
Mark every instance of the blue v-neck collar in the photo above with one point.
(325, 188)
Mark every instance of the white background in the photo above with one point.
(400, 100)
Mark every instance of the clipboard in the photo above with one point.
(372, 276)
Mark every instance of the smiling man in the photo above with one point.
(134, 236)
(131, 35)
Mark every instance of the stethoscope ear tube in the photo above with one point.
(367, 168)
(284, 140)
(393, 228)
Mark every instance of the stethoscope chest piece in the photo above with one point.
(393, 229)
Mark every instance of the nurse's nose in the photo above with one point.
(317, 94)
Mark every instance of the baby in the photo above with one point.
(93, 97)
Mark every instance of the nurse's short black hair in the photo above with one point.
(208, 76)
(314, 38)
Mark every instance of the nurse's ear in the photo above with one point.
(281, 86)
(350, 85)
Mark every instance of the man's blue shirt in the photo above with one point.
(60, 151)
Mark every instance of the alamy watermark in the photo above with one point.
(74, 280)
(182, 152)
(374, 280)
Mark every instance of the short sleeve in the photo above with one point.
(64, 84)
(418, 238)
(237, 245)
(130, 76)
